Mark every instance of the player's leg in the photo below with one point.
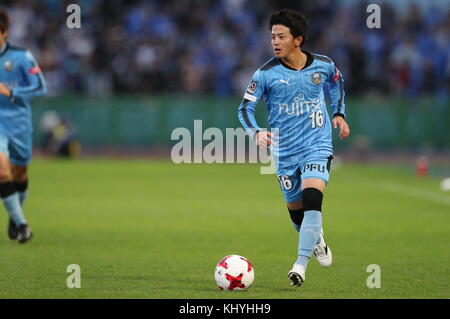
(20, 178)
(296, 210)
(9, 194)
(312, 190)
(290, 184)
(321, 251)
(296, 213)
(5, 178)
(19, 148)
(315, 176)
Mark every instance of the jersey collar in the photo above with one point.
(309, 61)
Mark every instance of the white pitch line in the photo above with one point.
(405, 190)
(415, 192)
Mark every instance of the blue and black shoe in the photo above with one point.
(24, 233)
(12, 229)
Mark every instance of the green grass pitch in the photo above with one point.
(153, 229)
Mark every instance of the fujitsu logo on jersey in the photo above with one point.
(299, 106)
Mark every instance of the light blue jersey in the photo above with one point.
(296, 106)
(298, 116)
(20, 73)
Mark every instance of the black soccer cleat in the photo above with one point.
(24, 233)
(12, 229)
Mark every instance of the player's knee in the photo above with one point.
(5, 175)
(312, 199)
(19, 174)
(20, 177)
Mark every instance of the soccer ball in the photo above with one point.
(445, 184)
(234, 272)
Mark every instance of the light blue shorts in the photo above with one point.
(290, 178)
(18, 148)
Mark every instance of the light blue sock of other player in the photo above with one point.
(12, 205)
(309, 236)
(22, 196)
(22, 189)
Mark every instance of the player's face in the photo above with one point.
(283, 42)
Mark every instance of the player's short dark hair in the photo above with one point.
(294, 20)
(4, 20)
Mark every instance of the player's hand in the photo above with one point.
(4, 90)
(344, 130)
(264, 139)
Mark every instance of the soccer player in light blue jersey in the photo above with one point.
(292, 86)
(20, 79)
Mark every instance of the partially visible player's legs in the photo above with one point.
(304, 203)
(8, 192)
(290, 184)
(18, 149)
(296, 213)
(315, 175)
(20, 178)
(312, 193)
(321, 251)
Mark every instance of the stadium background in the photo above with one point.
(136, 70)
(153, 64)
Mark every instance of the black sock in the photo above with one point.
(297, 216)
(7, 189)
(21, 186)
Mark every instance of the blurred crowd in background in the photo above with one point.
(213, 47)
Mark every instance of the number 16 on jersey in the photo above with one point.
(317, 119)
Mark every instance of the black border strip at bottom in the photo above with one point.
(223, 308)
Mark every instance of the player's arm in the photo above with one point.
(4, 90)
(246, 111)
(36, 85)
(337, 94)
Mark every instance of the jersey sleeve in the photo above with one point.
(336, 89)
(36, 85)
(246, 111)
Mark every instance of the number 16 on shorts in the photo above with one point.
(290, 187)
(285, 182)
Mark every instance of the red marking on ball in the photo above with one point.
(223, 263)
(235, 282)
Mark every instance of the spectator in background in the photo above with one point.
(59, 135)
(172, 46)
